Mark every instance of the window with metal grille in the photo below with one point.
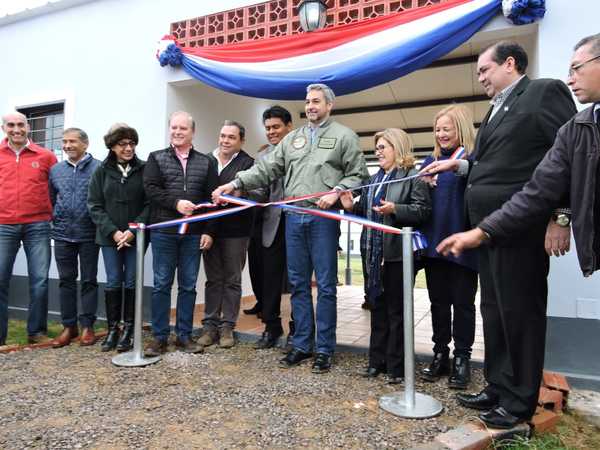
(46, 124)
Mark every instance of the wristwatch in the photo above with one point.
(562, 217)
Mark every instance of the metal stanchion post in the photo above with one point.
(409, 403)
(135, 358)
(348, 268)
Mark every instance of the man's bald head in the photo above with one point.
(14, 126)
(12, 115)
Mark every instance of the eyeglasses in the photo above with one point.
(575, 69)
(125, 144)
(380, 148)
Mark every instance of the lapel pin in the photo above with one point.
(505, 108)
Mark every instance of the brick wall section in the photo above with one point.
(278, 18)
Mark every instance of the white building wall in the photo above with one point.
(99, 59)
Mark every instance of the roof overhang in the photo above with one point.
(47, 8)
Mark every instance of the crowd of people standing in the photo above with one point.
(510, 181)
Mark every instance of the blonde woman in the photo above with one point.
(451, 281)
(404, 203)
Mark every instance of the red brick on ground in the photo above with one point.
(466, 437)
(551, 399)
(476, 436)
(544, 421)
(553, 380)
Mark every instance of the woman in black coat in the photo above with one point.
(116, 197)
(400, 204)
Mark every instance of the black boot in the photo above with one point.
(270, 337)
(113, 316)
(461, 373)
(126, 342)
(439, 366)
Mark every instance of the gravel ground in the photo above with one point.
(75, 398)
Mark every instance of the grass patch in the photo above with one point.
(573, 432)
(17, 331)
(357, 272)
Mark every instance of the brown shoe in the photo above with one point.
(156, 348)
(38, 339)
(186, 345)
(87, 337)
(208, 338)
(226, 339)
(64, 338)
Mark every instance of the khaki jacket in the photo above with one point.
(332, 159)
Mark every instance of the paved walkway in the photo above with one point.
(354, 322)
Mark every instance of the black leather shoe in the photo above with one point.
(372, 372)
(126, 341)
(111, 339)
(500, 418)
(481, 401)
(461, 373)
(255, 310)
(322, 363)
(293, 358)
(394, 379)
(439, 366)
(289, 345)
(267, 340)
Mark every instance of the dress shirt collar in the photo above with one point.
(220, 167)
(501, 96)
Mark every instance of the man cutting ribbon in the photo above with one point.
(322, 155)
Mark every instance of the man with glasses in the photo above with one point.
(25, 214)
(514, 136)
(569, 169)
(176, 179)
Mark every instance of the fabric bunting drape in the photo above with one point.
(349, 58)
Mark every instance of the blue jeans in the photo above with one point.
(170, 252)
(311, 244)
(120, 267)
(36, 242)
(67, 256)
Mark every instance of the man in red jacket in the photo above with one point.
(25, 214)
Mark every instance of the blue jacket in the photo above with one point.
(447, 215)
(68, 191)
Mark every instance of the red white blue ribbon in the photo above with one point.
(419, 241)
(458, 153)
(191, 219)
(317, 212)
(348, 58)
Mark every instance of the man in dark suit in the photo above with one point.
(278, 123)
(514, 136)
